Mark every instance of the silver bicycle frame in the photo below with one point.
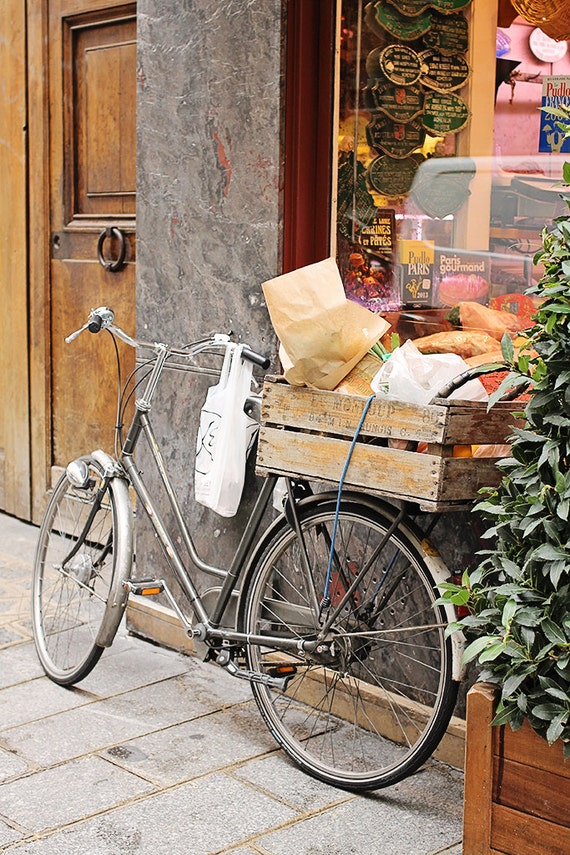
(209, 623)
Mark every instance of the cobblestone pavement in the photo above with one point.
(156, 752)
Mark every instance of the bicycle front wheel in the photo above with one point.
(371, 705)
(77, 596)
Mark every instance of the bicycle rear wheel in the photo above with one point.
(77, 593)
(372, 706)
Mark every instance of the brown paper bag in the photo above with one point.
(323, 335)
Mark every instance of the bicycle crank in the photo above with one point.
(225, 660)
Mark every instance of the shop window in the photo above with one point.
(423, 219)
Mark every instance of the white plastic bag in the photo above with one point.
(225, 435)
(417, 377)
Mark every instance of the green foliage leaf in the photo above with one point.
(546, 712)
(492, 651)
(507, 348)
(553, 632)
(511, 684)
(549, 552)
(503, 715)
(476, 647)
(509, 612)
(556, 727)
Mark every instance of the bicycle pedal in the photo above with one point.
(282, 671)
(145, 587)
(224, 659)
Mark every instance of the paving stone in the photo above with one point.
(353, 830)
(18, 665)
(419, 816)
(18, 539)
(99, 724)
(66, 793)
(193, 748)
(73, 733)
(10, 635)
(452, 850)
(7, 834)
(201, 688)
(221, 785)
(131, 663)
(278, 775)
(200, 817)
(241, 851)
(15, 570)
(11, 765)
(34, 700)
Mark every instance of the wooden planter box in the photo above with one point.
(307, 433)
(517, 787)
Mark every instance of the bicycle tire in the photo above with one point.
(77, 609)
(373, 709)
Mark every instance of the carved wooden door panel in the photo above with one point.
(92, 95)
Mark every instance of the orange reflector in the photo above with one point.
(147, 592)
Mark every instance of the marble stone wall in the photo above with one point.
(209, 169)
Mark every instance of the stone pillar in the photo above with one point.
(209, 160)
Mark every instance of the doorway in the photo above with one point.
(85, 152)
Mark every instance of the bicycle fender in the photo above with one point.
(122, 550)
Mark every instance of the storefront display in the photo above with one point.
(402, 67)
(463, 225)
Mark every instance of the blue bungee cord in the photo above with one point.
(326, 601)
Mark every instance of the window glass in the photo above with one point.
(419, 229)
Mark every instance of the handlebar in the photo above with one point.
(103, 318)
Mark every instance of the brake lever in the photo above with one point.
(99, 319)
(74, 335)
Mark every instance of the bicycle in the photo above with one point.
(329, 611)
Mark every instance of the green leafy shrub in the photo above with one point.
(519, 596)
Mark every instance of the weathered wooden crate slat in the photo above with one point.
(307, 433)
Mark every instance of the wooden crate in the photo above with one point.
(517, 787)
(307, 433)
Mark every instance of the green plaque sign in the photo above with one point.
(444, 73)
(446, 6)
(392, 177)
(411, 8)
(444, 113)
(401, 26)
(400, 64)
(448, 34)
(398, 139)
(399, 103)
(442, 185)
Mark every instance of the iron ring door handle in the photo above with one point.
(112, 232)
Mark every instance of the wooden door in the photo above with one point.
(14, 369)
(92, 98)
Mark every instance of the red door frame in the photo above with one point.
(309, 78)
